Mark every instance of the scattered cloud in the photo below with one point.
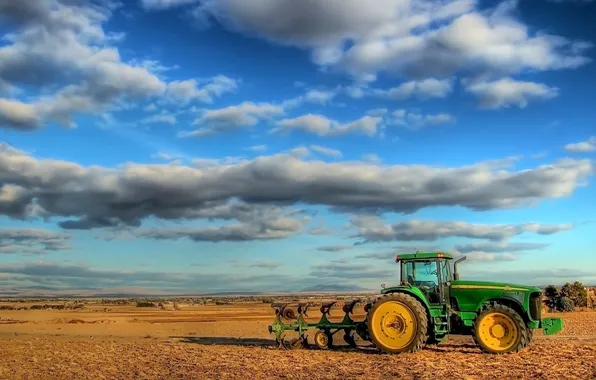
(191, 89)
(165, 4)
(412, 120)
(77, 276)
(32, 241)
(311, 96)
(533, 276)
(508, 92)
(258, 148)
(99, 197)
(267, 264)
(371, 158)
(61, 48)
(502, 246)
(377, 256)
(299, 152)
(320, 229)
(329, 152)
(350, 271)
(232, 118)
(582, 147)
(480, 256)
(322, 126)
(378, 112)
(373, 229)
(161, 118)
(255, 223)
(334, 248)
(421, 89)
(167, 156)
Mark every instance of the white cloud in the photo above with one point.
(311, 96)
(190, 89)
(161, 118)
(333, 153)
(258, 148)
(377, 112)
(19, 115)
(422, 89)
(232, 118)
(167, 156)
(95, 197)
(32, 241)
(582, 147)
(165, 4)
(508, 92)
(414, 120)
(373, 229)
(61, 48)
(371, 158)
(299, 152)
(416, 38)
(322, 126)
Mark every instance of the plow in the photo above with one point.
(429, 303)
(295, 318)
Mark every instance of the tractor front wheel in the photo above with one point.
(499, 329)
(398, 323)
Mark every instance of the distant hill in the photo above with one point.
(333, 288)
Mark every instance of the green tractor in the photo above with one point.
(430, 303)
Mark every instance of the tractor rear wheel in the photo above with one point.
(499, 329)
(398, 323)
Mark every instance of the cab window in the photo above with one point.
(445, 276)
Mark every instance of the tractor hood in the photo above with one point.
(489, 285)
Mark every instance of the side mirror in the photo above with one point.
(383, 286)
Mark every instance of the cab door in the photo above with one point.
(444, 281)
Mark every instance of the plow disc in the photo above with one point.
(327, 319)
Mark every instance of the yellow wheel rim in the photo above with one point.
(394, 325)
(321, 339)
(498, 331)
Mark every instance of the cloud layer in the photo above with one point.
(95, 196)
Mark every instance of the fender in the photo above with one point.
(411, 290)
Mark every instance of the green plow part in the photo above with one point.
(551, 326)
(326, 328)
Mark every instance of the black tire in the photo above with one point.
(522, 340)
(419, 312)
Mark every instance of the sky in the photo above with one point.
(274, 145)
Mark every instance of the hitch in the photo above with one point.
(551, 326)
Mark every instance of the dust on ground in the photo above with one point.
(232, 342)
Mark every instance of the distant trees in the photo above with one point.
(567, 298)
(145, 304)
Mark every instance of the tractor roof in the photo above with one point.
(423, 255)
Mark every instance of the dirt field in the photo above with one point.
(232, 342)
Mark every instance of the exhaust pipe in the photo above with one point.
(455, 264)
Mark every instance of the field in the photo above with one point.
(208, 341)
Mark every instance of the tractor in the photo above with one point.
(429, 303)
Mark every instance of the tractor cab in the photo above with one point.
(430, 272)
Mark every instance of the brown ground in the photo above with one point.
(232, 342)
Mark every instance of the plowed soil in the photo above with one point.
(232, 342)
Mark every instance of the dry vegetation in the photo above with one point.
(224, 338)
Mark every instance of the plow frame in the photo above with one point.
(324, 325)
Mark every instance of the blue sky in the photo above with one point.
(214, 145)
